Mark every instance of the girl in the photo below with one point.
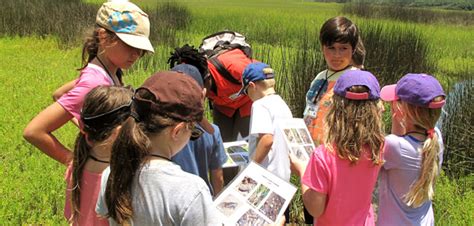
(343, 50)
(142, 185)
(104, 110)
(337, 184)
(119, 39)
(413, 152)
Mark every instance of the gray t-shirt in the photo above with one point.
(165, 195)
(402, 167)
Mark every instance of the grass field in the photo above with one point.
(32, 67)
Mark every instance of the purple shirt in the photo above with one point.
(402, 168)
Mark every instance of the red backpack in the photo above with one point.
(228, 54)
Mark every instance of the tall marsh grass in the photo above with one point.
(458, 130)
(409, 14)
(71, 19)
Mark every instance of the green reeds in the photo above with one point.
(409, 14)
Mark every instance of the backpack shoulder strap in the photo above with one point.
(224, 72)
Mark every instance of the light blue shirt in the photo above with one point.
(402, 168)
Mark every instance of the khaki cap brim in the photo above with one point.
(135, 41)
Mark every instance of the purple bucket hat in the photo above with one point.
(357, 78)
(416, 89)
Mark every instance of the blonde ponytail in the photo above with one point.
(423, 189)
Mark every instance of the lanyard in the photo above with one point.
(108, 73)
(326, 78)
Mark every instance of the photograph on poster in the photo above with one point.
(246, 185)
(236, 149)
(289, 136)
(305, 136)
(239, 159)
(255, 197)
(297, 137)
(309, 150)
(258, 195)
(237, 153)
(252, 218)
(300, 153)
(229, 205)
(272, 206)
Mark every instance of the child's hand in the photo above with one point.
(297, 166)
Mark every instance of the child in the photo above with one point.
(337, 184)
(413, 152)
(143, 186)
(189, 55)
(265, 146)
(230, 115)
(104, 110)
(119, 39)
(204, 155)
(343, 50)
(271, 152)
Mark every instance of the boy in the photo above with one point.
(205, 155)
(265, 146)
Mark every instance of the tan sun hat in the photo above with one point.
(128, 21)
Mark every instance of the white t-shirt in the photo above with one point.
(264, 115)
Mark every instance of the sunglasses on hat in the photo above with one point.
(196, 132)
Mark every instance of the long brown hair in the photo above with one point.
(423, 119)
(352, 125)
(341, 29)
(129, 151)
(99, 100)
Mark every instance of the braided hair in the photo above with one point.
(189, 55)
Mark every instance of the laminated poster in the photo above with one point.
(255, 197)
(237, 153)
(297, 137)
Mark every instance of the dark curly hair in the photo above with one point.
(189, 55)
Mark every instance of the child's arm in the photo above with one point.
(39, 132)
(217, 180)
(264, 144)
(63, 89)
(315, 202)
